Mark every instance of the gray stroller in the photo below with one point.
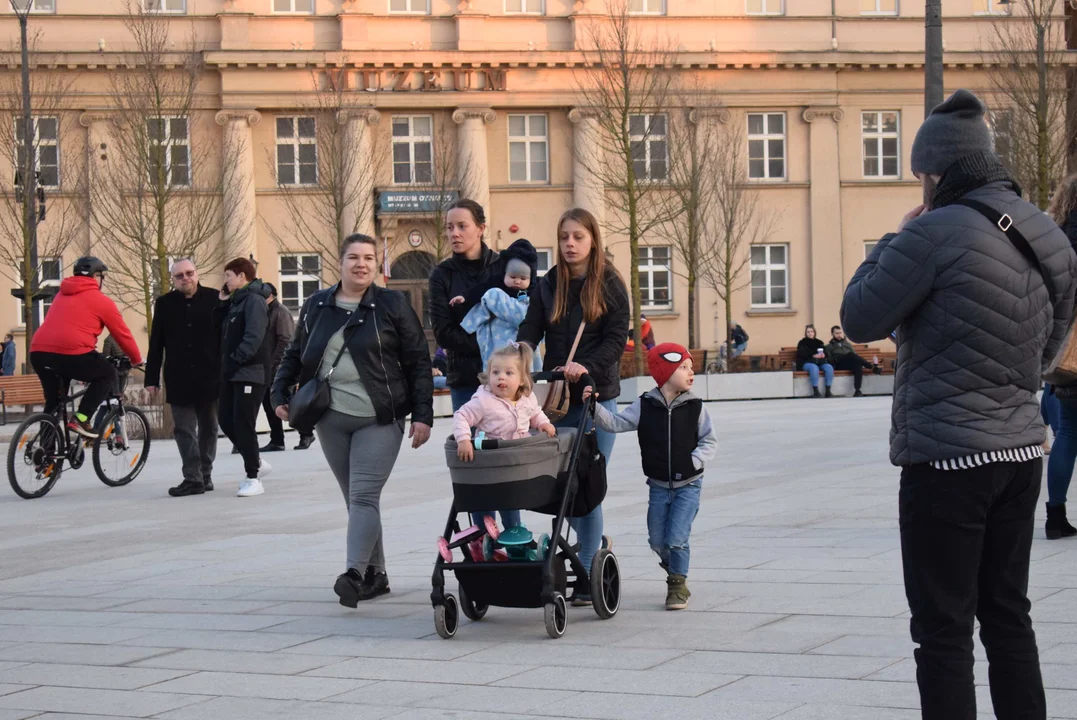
(563, 476)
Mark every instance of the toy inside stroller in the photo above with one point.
(563, 476)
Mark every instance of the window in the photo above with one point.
(880, 132)
(169, 156)
(297, 151)
(647, 7)
(649, 149)
(46, 151)
(1000, 123)
(545, 260)
(48, 275)
(409, 6)
(769, 275)
(293, 6)
(766, 146)
(765, 7)
(300, 277)
(413, 149)
(36, 6)
(990, 7)
(532, 7)
(527, 149)
(165, 6)
(869, 246)
(654, 276)
(878, 7)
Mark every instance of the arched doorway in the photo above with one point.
(410, 274)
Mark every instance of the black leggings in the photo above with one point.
(57, 371)
(237, 414)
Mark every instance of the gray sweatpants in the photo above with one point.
(361, 455)
(196, 436)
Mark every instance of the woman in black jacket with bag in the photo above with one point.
(367, 345)
(583, 288)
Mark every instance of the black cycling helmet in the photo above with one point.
(88, 266)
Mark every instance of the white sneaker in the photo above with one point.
(264, 468)
(250, 488)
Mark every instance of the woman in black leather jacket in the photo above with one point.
(367, 343)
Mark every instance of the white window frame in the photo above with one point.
(880, 136)
(38, 144)
(170, 142)
(869, 245)
(293, 11)
(411, 8)
(524, 4)
(649, 7)
(45, 303)
(648, 138)
(35, 7)
(162, 7)
(766, 136)
(649, 268)
(994, 8)
(546, 253)
(768, 267)
(766, 8)
(411, 139)
(296, 141)
(883, 13)
(300, 276)
(527, 140)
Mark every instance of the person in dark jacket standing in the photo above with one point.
(183, 340)
(465, 275)
(278, 335)
(242, 320)
(582, 289)
(976, 323)
(811, 358)
(382, 377)
(8, 364)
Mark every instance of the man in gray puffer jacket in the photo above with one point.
(975, 324)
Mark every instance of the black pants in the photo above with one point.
(856, 365)
(57, 371)
(238, 410)
(276, 425)
(966, 536)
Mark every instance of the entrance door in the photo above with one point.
(410, 274)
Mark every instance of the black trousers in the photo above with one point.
(238, 414)
(966, 536)
(276, 425)
(57, 371)
(856, 365)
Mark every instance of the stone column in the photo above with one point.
(237, 168)
(98, 124)
(825, 242)
(358, 170)
(588, 191)
(472, 163)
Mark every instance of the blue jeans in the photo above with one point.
(589, 527)
(669, 523)
(1049, 407)
(440, 382)
(1063, 452)
(813, 373)
(739, 349)
(460, 395)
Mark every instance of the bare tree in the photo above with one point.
(626, 86)
(159, 194)
(1026, 55)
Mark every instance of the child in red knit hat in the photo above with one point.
(676, 439)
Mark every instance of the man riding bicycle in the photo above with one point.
(65, 346)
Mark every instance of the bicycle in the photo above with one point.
(43, 443)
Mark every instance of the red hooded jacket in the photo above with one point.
(77, 316)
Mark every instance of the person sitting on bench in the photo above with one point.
(842, 356)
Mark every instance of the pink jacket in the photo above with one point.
(499, 419)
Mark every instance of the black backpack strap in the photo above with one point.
(1005, 224)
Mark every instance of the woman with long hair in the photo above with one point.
(583, 288)
(1063, 210)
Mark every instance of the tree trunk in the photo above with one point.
(1043, 144)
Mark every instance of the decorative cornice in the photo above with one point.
(696, 115)
(370, 115)
(487, 115)
(223, 117)
(89, 117)
(579, 114)
(834, 113)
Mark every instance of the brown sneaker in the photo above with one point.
(677, 592)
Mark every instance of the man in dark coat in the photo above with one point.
(278, 335)
(976, 319)
(184, 340)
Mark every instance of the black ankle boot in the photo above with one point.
(1057, 525)
(815, 392)
(828, 393)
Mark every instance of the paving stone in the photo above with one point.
(237, 708)
(96, 702)
(545, 653)
(606, 706)
(87, 676)
(273, 687)
(220, 640)
(278, 663)
(458, 671)
(402, 648)
(777, 664)
(808, 690)
(78, 654)
(638, 682)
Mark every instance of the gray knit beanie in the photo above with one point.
(954, 129)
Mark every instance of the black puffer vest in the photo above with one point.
(667, 437)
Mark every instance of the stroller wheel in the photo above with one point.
(472, 611)
(447, 617)
(556, 616)
(605, 584)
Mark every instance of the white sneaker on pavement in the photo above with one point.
(250, 487)
(264, 468)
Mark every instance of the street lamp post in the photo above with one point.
(933, 88)
(28, 169)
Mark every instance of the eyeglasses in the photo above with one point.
(180, 276)
(674, 357)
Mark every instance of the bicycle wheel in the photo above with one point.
(35, 456)
(120, 452)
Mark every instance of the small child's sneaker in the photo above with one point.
(677, 592)
(443, 550)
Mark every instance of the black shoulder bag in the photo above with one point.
(311, 400)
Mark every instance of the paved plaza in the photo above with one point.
(127, 603)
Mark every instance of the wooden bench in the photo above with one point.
(20, 390)
(787, 360)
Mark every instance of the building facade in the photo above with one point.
(482, 98)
